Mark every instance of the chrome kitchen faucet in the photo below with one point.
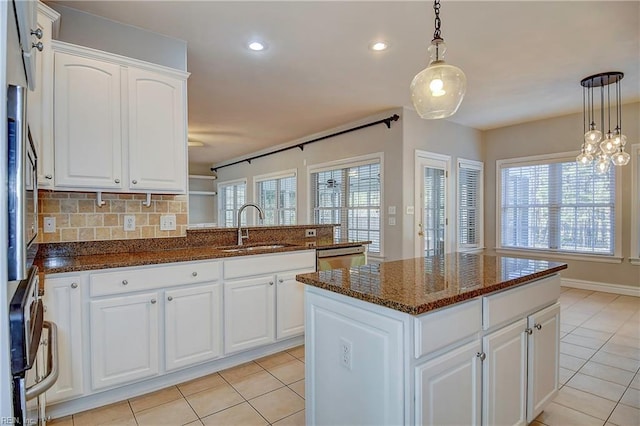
(260, 215)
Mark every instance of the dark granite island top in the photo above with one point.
(419, 285)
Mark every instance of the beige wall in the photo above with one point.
(562, 134)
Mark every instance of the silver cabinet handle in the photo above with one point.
(74, 285)
(125, 282)
(134, 181)
(169, 298)
(538, 326)
(153, 301)
(48, 176)
(280, 280)
(38, 46)
(116, 180)
(270, 282)
(481, 355)
(37, 33)
(195, 274)
(528, 331)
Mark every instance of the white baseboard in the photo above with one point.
(626, 290)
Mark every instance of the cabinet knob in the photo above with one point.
(538, 326)
(270, 282)
(116, 180)
(134, 181)
(170, 298)
(48, 177)
(74, 285)
(38, 46)
(37, 33)
(153, 301)
(528, 331)
(195, 274)
(481, 355)
(280, 280)
(125, 282)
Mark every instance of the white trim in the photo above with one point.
(275, 175)
(559, 158)
(361, 160)
(635, 204)
(474, 165)
(87, 52)
(626, 290)
(549, 254)
(443, 162)
(223, 184)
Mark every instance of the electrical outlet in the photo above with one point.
(49, 224)
(129, 222)
(346, 352)
(168, 222)
(309, 232)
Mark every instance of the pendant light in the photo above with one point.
(437, 91)
(611, 148)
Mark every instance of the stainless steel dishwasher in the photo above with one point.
(341, 257)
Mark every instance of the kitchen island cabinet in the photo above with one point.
(456, 339)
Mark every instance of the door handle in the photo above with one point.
(420, 232)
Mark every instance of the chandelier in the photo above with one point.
(437, 91)
(609, 149)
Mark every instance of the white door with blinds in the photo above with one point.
(277, 195)
(431, 204)
(231, 196)
(557, 205)
(470, 235)
(349, 195)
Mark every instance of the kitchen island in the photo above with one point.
(453, 339)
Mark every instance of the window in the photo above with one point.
(470, 205)
(231, 196)
(635, 204)
(350, 196)
(553, 204)
(276, 194)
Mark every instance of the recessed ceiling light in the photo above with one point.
(257, 45)
(379, 45)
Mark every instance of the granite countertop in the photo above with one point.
(419, 285)
(50, 264)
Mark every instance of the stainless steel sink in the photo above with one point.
(253, 248)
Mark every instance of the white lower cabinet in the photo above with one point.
(124, 339)
(448, 388)
(290, 305)
(249, 307)
(63, 304)
(193, 325)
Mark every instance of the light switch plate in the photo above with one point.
(409, 209)
(168, 222)
(392, 209)
(129, 222)
(392, 221)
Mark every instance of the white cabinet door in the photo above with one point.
(543, 359)
(289, 305)
(249, 317)
(88, 136)
(63, 304)
(505, 375)
(157, 131)
(124, 339)
(193, 325)
(448, 388)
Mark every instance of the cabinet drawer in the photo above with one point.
(442, 328)
(269, 263)
(510, 304)
(147, 278)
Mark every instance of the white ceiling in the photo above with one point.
(523, 61)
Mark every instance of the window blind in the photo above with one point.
(469, 204)
(558, 206)
(277, 197)
(231, 197)
(349, 196)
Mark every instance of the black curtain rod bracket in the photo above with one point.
(387, 121)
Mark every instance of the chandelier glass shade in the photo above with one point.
(438, 90)
(608, 147)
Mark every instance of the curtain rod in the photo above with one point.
(387, 121)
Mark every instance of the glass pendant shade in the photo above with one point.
(608, 146)
(602, 164)
(593, 136)
(619, 139)
(438, 90)
(584, 159)
(590, 148)
(620, 158)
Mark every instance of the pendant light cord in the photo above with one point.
(438, 22)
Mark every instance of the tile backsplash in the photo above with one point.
(78, 218)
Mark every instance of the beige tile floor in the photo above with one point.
(599, 363)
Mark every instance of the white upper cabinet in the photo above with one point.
(120, 124)
(156, 123)
(88, 141)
